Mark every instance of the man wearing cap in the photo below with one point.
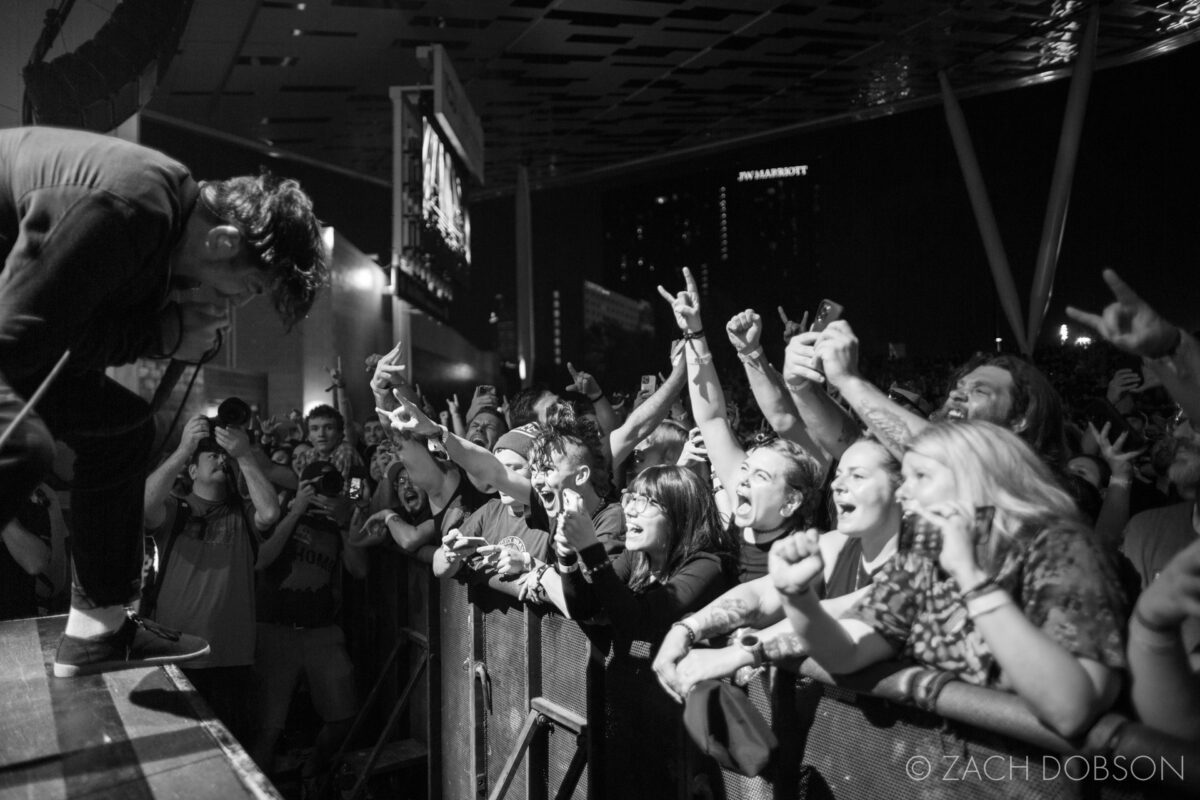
(206, 549)
(296, 610)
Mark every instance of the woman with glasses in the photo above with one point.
(773, 488)
(677, 559)
(1000, 582)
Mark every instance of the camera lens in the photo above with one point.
(233, 411)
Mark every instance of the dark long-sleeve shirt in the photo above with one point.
(87, 227)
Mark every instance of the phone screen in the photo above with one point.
(649, 383)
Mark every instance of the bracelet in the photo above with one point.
(694, 334)
(597, 398)
(691, 633)
(1172, 349)
(985, 586)
(590, 572)
(566, 569)
(749, 356)
(387, 520)
(1125, 482)
(986, 604)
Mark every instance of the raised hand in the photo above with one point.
(1129, 322)
(1123, 382)
(744, 330)
(790, 327)
(795, 562)
(576, 525)
(800, 365)
(1175, 594)
(1120, 463)
(407, 417)
(583, 382)
(837, 352)
(388, 375)
(685, 304)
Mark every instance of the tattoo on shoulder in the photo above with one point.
(889, 426)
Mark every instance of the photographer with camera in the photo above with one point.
(297, 607)
(207, 544)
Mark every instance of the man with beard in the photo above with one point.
(1003, 389)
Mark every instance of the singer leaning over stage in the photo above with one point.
(95, 233)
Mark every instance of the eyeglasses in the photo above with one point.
(638, 503)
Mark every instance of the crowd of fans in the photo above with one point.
(1028, 526)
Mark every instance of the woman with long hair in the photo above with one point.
(999, 582)
(868, 527)
(678, 557)
(774, 488)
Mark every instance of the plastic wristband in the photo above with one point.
(749, 356)
(987, 603)
(705, 358)
(1125, 482)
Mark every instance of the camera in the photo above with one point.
(233, 411)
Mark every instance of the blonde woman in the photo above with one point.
(998, 581)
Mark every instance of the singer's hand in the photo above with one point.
(202, 322)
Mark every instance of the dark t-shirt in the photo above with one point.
(297, 589)
(465, 501)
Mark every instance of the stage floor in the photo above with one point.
(133, 735)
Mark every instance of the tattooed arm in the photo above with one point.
(892, 424)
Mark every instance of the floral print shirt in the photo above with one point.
(1060, 579)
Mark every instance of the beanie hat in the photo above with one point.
(519, 440)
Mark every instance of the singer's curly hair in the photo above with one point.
(283, 235)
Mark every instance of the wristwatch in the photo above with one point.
(754, 646)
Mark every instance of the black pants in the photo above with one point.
(111, 432)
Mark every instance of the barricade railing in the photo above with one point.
(518, 709)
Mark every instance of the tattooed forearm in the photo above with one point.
(723, 615)
(889, 426)
(783, 644)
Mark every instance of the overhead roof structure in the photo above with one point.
(578, 88)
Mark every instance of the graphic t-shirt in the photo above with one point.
(297, 589)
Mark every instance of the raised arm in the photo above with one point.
(236, 442)
(1132, 325)
(708, 400)
(160, 481)
(892, 424)
(1114, 512)
(587, 385)
(642, 421)
(476, 460)
(745, 334)
(827, 422)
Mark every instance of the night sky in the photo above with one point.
(893, 236)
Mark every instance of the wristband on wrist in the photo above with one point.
(597, 398)
(701, 358)
(987, 603)
(1126, 482)
(751, 355)
(694, 334)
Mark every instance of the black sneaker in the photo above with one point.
(137, 643)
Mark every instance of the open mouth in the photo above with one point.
(743, 508)
(956, 412)
(845, 509)
(479, 440)
(548, 497)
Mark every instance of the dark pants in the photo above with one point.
(111, 432)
